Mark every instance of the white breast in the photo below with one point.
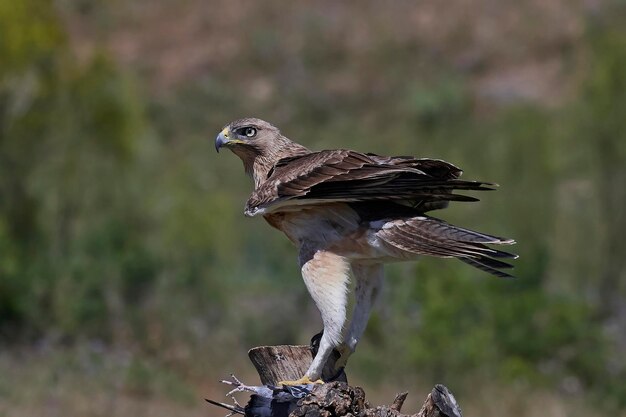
(319, 226)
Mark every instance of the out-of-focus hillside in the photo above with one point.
(507, 51)
(130, 280)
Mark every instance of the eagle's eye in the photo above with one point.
(249, 131)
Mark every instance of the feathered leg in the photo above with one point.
(326, 276)
(369, 281)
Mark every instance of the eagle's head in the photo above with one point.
(258, 143)
(248, 136)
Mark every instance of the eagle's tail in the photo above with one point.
(424, 235)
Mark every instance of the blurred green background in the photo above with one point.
(130, 282)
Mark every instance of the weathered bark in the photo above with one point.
(340, 399)
(440, 402)
(287, 362)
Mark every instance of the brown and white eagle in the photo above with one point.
(350, 211)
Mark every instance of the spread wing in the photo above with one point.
(348, 176)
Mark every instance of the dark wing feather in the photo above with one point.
(349, 176)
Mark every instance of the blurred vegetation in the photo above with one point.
(119, 226)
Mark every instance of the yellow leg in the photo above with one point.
(302, 381)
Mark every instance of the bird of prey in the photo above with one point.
(348, 211)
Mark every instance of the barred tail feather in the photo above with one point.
(486, 264)
(425, 235)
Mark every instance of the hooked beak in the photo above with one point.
(221, 139)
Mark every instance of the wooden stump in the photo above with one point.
(276, 363)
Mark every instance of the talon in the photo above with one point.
(305, 380)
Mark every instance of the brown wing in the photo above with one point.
(349, 176)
